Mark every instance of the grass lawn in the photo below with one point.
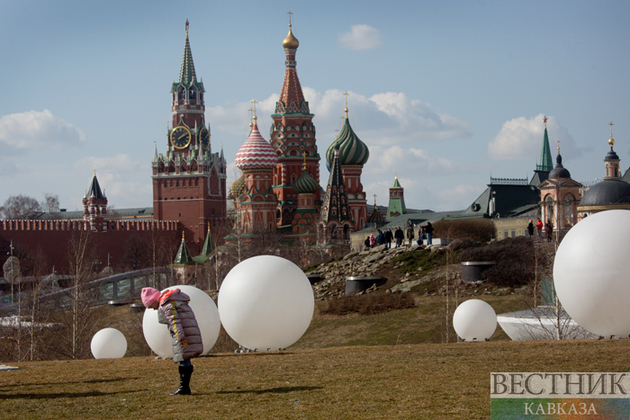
(404, 381)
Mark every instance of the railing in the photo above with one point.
(122, 288)
(509, 181)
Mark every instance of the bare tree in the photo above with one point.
(136, 255)
(78, 314)
(20, 207)
(32, 303)
(50, 204)
(112, 214)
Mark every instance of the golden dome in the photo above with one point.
(290, 42)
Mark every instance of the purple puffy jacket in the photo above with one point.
(182, 324)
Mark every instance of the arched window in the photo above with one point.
(569, 204)
(549, 208)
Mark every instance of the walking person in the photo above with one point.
(399, 236)
(410, 234)
(389, 237)
(429, 231)
(549, 229)
(539, 226)
(530, 229)
(380, 238)
(174, 311)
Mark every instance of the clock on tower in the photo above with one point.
(189, 181)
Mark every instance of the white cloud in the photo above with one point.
(522, 138)
(235, 119)
(38, 130)
(391, 124)
(361, 37)
(384, 118)
(388, 160)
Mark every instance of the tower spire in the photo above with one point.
(611, 141)
(291, 97)
(545, 166)
(187, 74)
(546, 161)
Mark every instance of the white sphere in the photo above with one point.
(591, 273)
(474, 320)
(108, 343)
(157, 335)
(266, 303)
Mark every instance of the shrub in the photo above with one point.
(481, 230)
(515, 261)
(370, 304)
(461, 244)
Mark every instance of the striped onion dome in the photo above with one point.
(256, 152)
(237, 187)
(352, 151)
(305, 184)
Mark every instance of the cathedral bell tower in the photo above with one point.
(292, 136)
(189, 181)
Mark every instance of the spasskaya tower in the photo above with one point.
(189, 180)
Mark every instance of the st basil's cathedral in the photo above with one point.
(279, 190)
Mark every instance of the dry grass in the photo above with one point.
(422, 381)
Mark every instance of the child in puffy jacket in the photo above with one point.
(175, 312)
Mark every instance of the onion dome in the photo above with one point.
(352, 151)
(613, 189)
(611, 155)
(237, 187)
(256, 152)
(559, 171)
(305, 184)
(290, 42)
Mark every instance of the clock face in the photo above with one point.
(180, 137)
(204, 138)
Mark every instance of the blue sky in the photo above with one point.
(445, 94)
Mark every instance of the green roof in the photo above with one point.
(546, 160)
(94, 190)
(187, 75)
(208, 245)
(183, 256)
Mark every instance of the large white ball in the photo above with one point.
(474, 320)
(157, 335)
(266, 303)
(108, 343)
(591, 273)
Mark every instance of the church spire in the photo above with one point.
(545, 166)
(612, 159)
(187, 75)
(546, 161)
(291, 97)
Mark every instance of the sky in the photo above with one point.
(445, 94)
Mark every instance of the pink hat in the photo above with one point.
(149, 296)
